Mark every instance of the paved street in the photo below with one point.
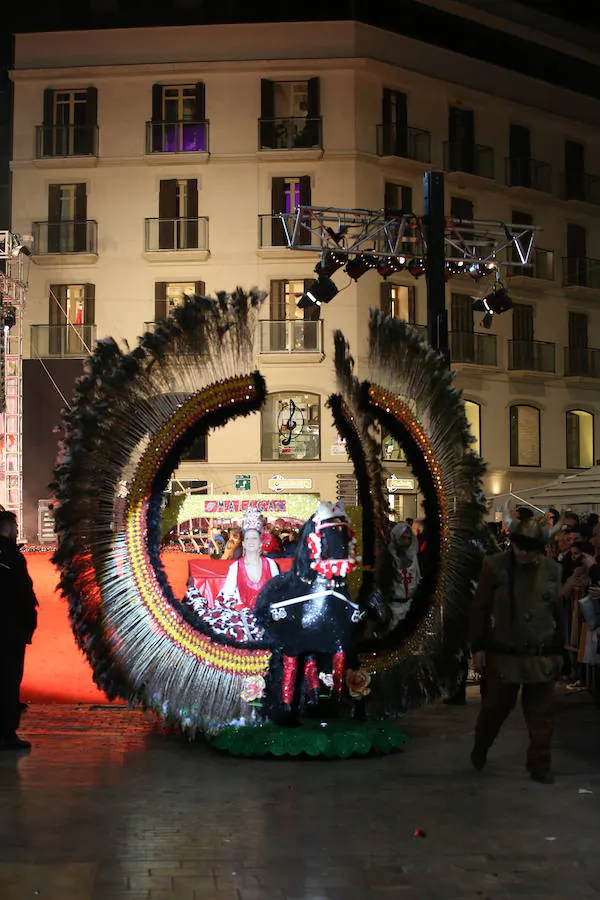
(106, 807)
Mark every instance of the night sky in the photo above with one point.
(41, 14)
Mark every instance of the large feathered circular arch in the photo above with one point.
(135, 413)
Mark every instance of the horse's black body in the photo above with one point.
(318, 626)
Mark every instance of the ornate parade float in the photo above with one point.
(306, 660)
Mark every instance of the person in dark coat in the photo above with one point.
(18, 621)
(517, 639)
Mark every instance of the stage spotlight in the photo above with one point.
(9, 316)
(390, 264)
(322, 290)
(416, 267)
(494, 303)
(330, 262)
(477, 271)
(359, 265)
(20, 246)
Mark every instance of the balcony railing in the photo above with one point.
(582, 361)
(66, 140)
(581, 271)
(271, 232)
(476, 159)
(177, 234)
(528, 173)
(542, 266)
(408, 143)
(471, 347)
(289, 133)
(532, 356)
(65, 237)
(582, 187)
(62, 340)
(177, 137)
(293, 336)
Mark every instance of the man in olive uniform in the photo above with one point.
(517, 639)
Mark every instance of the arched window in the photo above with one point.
(291, 426)
(580, 439)
(473, 414)
(525, 442)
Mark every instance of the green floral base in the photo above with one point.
(332, 740)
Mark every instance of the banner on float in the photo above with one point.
(234, 506)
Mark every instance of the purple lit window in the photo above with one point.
(180, 137)
(291, 196)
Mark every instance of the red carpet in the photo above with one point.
(55, 669)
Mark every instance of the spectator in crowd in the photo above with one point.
(233, 547)
(404, 549)
(217, 543)
(581, 561)
(18, 621)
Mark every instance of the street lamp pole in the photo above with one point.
(435, 226)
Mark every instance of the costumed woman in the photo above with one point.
(404, 549)
(231, 616)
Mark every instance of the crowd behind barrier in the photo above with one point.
(574, 542)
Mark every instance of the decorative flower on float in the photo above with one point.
(254, 688)
(358, 683)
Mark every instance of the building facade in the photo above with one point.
(152, 162)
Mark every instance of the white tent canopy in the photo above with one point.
(578, 492)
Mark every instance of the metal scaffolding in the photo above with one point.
(13, 295)
(381, 234)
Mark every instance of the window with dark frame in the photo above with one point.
(398, 300)
(580, 439)
(67, 218)
(288, 327)
(169, 294)
(290, 115)
(178, 122)
(473, 415)
(178, 214)
(525, 435)
(71, 319)
(70, 123)
(398, 197)
(287, 193)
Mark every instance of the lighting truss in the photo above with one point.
(14, 266)
(383, 233)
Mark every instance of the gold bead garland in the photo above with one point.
(228, 659)
(393, 405)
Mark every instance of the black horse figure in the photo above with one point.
(307, 613)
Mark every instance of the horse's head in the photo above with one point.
(328, 543)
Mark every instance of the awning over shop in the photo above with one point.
(581, 491)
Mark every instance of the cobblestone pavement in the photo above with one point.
(106, 807)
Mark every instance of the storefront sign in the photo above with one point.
(396, 485)
(278, 484)
(242, 482)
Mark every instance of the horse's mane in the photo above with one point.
(302, 559)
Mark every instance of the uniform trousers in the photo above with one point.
(537, 701)
(12, 659)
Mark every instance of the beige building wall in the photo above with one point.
(354, 63)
